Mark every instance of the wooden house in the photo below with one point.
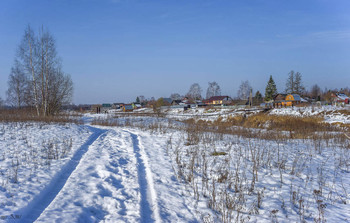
(128, 108)
(278, 100)
(292, 99)
(219, 100)
(286, 100)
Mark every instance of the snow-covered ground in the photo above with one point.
(85, 173)
(109, 175)
(31, 155)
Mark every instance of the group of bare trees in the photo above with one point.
(213, 89)
(36, 78)
(294, 84)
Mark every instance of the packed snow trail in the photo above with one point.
(33, 210)
(104, 186)
(148, 205)
(116, 176)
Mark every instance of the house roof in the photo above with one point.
(176, 101)
(342, 96)
(128, 107)
(217, 98)
(169, 100)
(296, 97)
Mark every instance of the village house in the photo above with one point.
(136, 105)
(340, 99)
(167, 101)
(278, 100)
(106, 107)
(128, 108)
(176, 102)
(96, 108)
(286, 100)
(292, 100)
(219, 100)
(117, 105)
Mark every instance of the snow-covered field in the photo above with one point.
(85, 173)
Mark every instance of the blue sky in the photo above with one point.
(115, 50)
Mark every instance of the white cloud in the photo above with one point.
(331, 35)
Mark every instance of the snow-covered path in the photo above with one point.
(149, 206)
(33, 210)
(111, 178)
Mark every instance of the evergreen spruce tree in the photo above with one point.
(258, 96)
(270, 90)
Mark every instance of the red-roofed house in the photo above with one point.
(340, 98)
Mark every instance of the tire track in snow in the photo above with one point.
(40, 202)
(148, 204)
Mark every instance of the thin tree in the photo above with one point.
(271, 89)
(27, 54)
(290, 84)
(213, 90)
(316, 92)
(244, 90)
(294, 84)
(195, 92)
(48, 62)
(17, 86)
(299, 87)
(176, 96)
(142, 98)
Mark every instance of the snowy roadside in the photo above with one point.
(31, 154)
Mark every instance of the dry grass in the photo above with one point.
(272, 127)
(28, 115)
(262, 126)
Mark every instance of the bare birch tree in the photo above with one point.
(213, 90)
(316, 92)
(195, 92)
(176, 96)
(244, 90)
(17, 86)
(50, 87)
(294, 84)
(28, 55)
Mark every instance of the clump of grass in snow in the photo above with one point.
(218, 153)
